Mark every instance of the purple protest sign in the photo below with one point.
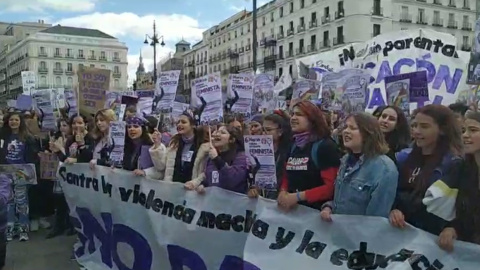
(24, 102)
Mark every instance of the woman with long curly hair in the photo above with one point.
(394, 126)
(429, 171)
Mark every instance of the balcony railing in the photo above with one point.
(69, 72)
(437, 22)
(92, 57)
(103, 58)
(407, 18)
(289, 53)
(467, 26)
(280, 35)
(42, 70)
(325, 44)
(58, 71)
(116, 59)
(338, 40)
(81, 56)
(117, 74)
(42, 54)
(69, 56)
(422, 19)
(301, 28)
(325, 19)
(313, 23)
(339, 14)
(452, 25)
(311, 48)
(290, 32)
(57, 55)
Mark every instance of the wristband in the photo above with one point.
(298, 196)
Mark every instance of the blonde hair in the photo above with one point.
(108, 115)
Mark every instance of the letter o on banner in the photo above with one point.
(142, 252)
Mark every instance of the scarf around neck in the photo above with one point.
(301, 139)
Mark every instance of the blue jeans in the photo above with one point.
(17, 207)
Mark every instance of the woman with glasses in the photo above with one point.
(276, 125)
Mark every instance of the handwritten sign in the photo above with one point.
(93, 84)
(48, 166)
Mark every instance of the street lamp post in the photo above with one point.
(155, 39)
(254, 36)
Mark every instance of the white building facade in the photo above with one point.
(57, 53)
(195, 64)
(296, 28)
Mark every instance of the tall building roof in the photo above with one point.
(183, 42)
(74, 31)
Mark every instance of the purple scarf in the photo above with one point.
(188, 140)
(301, 139)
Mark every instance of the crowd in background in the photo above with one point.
(421, 169)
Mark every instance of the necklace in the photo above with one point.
(414, 175)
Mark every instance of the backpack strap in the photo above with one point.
(314, 153)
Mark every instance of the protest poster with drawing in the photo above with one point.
(166, 90)
(304, 89)
(114, 98)
(93, 84)
(240, 93)
(44, 108)
(48, 165)
(20, 173)
(29, 80)
(208, 96)
(117, 135)
(71, 103)
(403, 89)
(145, 101)
(261, 157)
(264, 97)
(345, 90)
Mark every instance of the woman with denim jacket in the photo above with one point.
(367, 178)
(466, 225)
(103, 142)
(429, 172)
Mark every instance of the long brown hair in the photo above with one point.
(108, 115)
(373, 140)
(467, 205)
(449, 141)
(316, 118)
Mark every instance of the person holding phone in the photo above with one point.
(79, 145)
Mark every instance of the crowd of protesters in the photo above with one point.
(421, 169)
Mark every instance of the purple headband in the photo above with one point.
(136, 121)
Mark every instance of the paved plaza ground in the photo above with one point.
(41, 254)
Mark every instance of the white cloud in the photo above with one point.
(130, 27)
(43, 5)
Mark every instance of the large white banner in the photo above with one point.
(128, 222)
(397, 53)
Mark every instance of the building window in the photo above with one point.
(102, 67)
(43, 81)
(116, 70)
(280, 12)
(302, 3)
(58, 81)
(102, 55)
(80, 53)
(92, 65)
(57, 51)
(69, 67)
(376, 30)
(80, 66)
(58, 66)
(465, 41)
(70, 81)
(43, 65)
(116, 83)
(116, 56)
(291, 7)
(69, 53)
(42, 51)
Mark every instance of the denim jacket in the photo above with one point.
(367, 189)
